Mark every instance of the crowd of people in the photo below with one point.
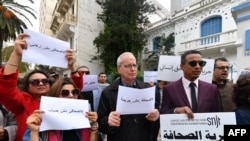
(21, 115)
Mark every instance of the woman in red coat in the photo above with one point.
(36, 84)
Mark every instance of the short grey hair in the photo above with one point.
(119, 59)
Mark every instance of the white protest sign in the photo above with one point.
(63, 113)
(90, 83)
(204, 126)
(150, 76)
(169, 69)
(135, 101)
(45, 50)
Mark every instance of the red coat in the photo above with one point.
(22, 104)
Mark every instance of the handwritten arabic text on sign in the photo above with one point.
(90, 83)
(135, 101)
(169, 69)
(45, 50)
(150, 76)
(63, 113)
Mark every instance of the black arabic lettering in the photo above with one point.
(208, 136)
(76, 111)
(146, 100)
(162, 68)
(206, 72)
(51, 110)
(127, 101)
(170, 136)
(221, 138)
(91, 83)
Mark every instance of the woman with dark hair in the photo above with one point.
(241, 97)
(62, 88)
(36, 84)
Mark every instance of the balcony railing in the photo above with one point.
(207, 2)
(211, 41)
(58, 22)
(55, 24)
(64, 5)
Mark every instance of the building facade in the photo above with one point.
(74, 21)
(214, 27)
(204, 25)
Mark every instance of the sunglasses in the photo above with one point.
(194, 63)
(66, 93)
(222, 67)
(86, 72)
(36, 82)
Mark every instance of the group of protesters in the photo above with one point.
(21, 115)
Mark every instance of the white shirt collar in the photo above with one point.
(187, 82)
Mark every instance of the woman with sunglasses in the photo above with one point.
(63, 88)
(35, 84)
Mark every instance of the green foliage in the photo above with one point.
(22, 67)
(10, 24)
(123, 30)
(164, 48)
(140, 76)
(44, 68)
(167, 43)
(113, 75)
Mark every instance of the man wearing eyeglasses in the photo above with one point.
(189, 94)
(134, 127)
(225, 86)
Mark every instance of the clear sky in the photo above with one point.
(35, 22)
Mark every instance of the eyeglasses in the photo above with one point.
(222, 67)
(130, 66)
(194, 63)
(36, 82)
(66, 93)
(86, 72)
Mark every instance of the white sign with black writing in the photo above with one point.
(45, 50)
(135, 101)
(204, 126)
(63, 113)
(169, 69)
(150, 76)
(90, 82)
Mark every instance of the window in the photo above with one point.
(73, 9)
(209, 27)
(247, 40)
(156, 42)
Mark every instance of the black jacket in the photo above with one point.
(132, 128)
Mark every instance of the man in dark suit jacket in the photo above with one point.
(177, 96)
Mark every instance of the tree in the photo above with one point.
(44, 68)
(22, 67)
(123, 30)
(166, 44)
(164, 47)
(10, 24)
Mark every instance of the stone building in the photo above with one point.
(74, 21)
(207, 26)
(214, 27)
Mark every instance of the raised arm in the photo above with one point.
(16, 55)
